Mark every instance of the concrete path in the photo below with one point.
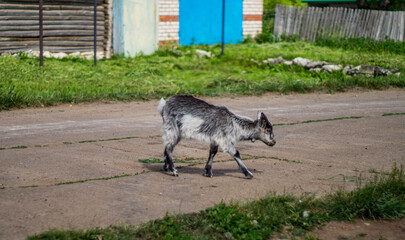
(82, 166)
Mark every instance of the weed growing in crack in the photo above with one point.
(176, 160)
(392, 114)
(150, 160)
(18, 147)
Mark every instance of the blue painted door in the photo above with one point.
(201, 21)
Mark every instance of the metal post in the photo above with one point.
(223, 28)
(41, 39)
(95, 32)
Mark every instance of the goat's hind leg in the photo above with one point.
(208, 166)
(171, 138)
(168, 157)
(168, 153)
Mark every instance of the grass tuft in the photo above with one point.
(150, 160)
(382, 198)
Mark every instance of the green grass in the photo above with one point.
(18, 147)
(392, 114)
(87, 141)
(150, 160)
(178, 70)
(381, 198)
(364, 45)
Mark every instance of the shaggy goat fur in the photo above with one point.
(187, 117)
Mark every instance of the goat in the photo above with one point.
(185, 116)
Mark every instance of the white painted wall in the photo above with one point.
(135, 27)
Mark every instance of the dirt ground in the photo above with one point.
(77, 166)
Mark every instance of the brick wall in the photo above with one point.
(252, 17)
(169, 19)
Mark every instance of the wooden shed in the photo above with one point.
(67, 24)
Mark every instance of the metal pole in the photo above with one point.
(95, 32)
(223, 28)
(41, 39)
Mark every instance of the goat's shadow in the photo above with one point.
(217, 172)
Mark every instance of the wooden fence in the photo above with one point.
(313, 22)
(68, 25)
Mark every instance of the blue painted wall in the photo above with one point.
(201, 21)
(135, 27)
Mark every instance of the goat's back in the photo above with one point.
(189, 105)
(184, 109)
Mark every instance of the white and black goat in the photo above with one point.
(185, 116)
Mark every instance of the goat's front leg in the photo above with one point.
(235, 154)
(208, 166)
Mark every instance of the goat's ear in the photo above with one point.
(259, 118)
(263, 118)
(259, 115)
(263, 121)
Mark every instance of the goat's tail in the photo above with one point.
(162, 103)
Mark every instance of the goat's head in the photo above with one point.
(265, 130)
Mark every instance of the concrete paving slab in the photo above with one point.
(109, 185)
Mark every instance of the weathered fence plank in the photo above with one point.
(311, 23)
(401, 26)
(278, 26)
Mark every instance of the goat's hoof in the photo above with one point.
(249, 176)
(175, 174)
(207, 175)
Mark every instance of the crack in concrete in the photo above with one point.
(247, 157)
(155, 136)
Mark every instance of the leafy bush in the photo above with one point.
(265, 37)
